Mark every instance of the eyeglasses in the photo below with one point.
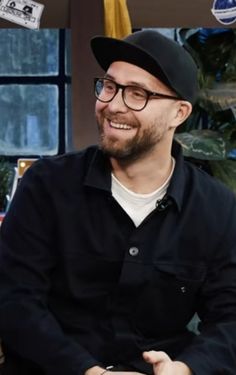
(134, 97)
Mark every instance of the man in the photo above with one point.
(107, 254)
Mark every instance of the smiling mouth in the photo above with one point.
(116, 125)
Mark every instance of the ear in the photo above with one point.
(183, 111)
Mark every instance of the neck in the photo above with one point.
(144, 175)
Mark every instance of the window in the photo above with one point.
(34, 92)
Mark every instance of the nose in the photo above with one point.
(117, 104)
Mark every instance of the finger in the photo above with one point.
(153, 357)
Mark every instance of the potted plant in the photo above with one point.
(5, 175)
(208, 138)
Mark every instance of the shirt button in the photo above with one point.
(133, 251)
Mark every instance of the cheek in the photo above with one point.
(148, 119)
(160, 116)
(99, 106)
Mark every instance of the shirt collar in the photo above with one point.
(99, 171)
(99, 174)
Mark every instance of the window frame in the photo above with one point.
(61, 80)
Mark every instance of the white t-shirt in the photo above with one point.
(138, 206)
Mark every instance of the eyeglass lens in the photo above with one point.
(134, 97)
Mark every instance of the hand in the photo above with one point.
(97, 370)
(163, 365)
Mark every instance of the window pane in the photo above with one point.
(68, 128)
(68, 52)
(28, 52)
(29, 119)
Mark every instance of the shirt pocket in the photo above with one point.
(169, 298)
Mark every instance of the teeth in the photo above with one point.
(120, 126)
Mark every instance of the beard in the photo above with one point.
(134, 148)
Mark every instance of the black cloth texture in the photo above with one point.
(82, 286)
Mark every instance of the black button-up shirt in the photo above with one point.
(82, 286)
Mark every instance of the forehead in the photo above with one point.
(126, 73)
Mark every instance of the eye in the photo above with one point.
(109, 86)
(137, 93)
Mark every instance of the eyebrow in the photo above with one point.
(131, 83)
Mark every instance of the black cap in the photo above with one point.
(155, 53)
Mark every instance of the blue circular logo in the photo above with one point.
(224, 11)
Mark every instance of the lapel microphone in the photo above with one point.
(164, 203)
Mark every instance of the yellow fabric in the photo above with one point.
(116, 18)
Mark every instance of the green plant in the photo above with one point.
(5, 175)
(209, 135)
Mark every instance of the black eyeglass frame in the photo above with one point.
(154, 95)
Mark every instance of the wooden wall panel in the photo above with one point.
(172, 13)
(144, 13)
(86, 21)
(56, 14)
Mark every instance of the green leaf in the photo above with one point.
(5, 173)
(225, 171)
(202, 144)
(220, 97)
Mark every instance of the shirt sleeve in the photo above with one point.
(27, 260)
(213, 351)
